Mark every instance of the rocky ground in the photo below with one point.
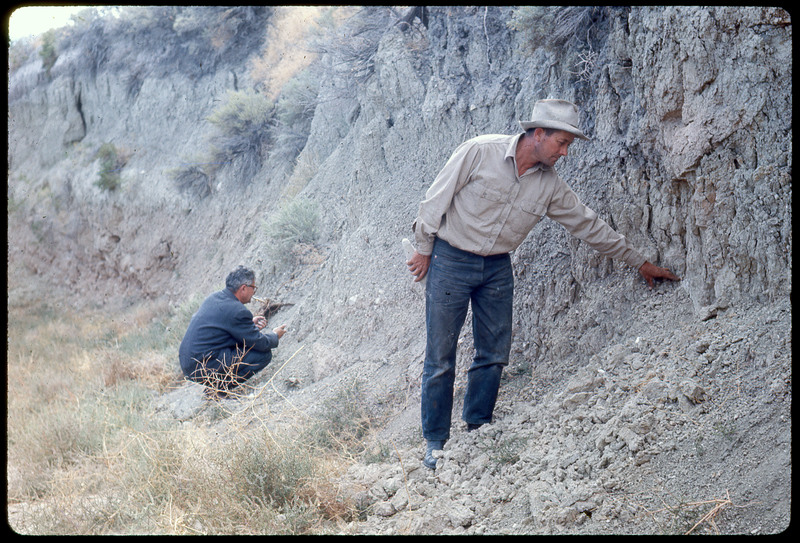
(668, 432)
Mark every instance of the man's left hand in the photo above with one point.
(260, 321)
(650, 272)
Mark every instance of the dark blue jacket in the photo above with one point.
(221, 326)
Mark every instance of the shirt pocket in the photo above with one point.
(482, 204)
(525, 215)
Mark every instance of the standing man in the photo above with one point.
(482, 205)
(224, 346)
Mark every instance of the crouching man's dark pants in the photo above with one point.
(228, 369)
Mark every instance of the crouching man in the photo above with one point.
(224, 345)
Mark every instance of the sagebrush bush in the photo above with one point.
(48, 51)
(192, 179)
(111, 162)
(353, 44)
(243, 112)
(295, 110)
(243, 123)
(295, 222)
(554, 27)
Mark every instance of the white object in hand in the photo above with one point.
(410, 250)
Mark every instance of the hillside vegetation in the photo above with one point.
(151, 150)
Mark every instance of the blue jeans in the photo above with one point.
(456, 278)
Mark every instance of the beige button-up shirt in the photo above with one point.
(478, 203)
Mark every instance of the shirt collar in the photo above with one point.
(511, 152)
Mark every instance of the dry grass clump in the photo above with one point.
(88, 454)
(687, 517)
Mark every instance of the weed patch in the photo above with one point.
(88, 455)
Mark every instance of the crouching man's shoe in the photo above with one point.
(429, 461)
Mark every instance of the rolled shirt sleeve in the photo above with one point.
(479, 203)
(583, 223)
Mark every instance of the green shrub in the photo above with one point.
(111, 162)
(243, 112)
(193, 179)
(294, 223)
(295, 110)
(243, 124)
(354, 44)
(554, 27)
(48, 50)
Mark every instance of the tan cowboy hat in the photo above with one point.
(558, 114)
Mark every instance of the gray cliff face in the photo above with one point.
(689, 111)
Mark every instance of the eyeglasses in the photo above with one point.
(255, 288)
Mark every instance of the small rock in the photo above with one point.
(633, 441)
(384, 509)
(693, 391)
(460, 515)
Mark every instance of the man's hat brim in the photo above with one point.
(555, 125)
